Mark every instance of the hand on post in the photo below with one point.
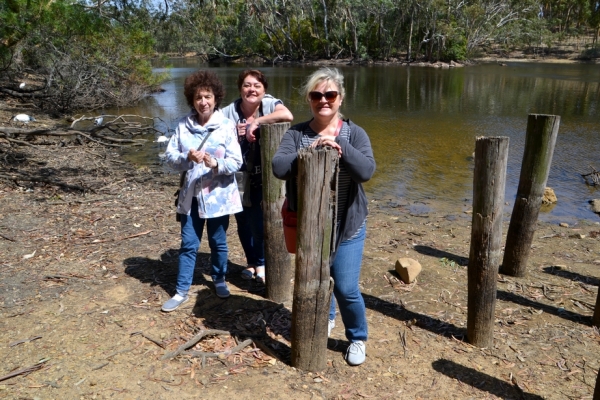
(328, 140)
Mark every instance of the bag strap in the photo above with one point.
(339, 127)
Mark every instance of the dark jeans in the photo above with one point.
(250, 229)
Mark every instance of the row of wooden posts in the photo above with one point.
(312, 284)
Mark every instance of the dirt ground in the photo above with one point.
(83, 274)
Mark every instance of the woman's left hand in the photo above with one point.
(209, 161)
(328, 140)
(250, 136)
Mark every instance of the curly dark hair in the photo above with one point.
(255, 73)
(203, 80)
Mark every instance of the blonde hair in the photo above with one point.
(323, 74)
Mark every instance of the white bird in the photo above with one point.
(161, 139)
(24, 118)
(98, 121)
(22, 85)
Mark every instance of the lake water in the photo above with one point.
(423, 123)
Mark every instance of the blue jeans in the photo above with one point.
(191, 234)
(250, 229)
(345, 272)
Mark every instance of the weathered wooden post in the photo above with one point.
(491, 155)
(596, 317)
(597, 388)
(537, 158)
(279, 271)
(317, 169)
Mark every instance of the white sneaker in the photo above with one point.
(330, 327)
(174, 303)
(356, 353)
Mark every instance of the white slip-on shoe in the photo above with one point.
(356, 353)
(174, 302)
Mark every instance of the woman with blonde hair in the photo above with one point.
(324, 90)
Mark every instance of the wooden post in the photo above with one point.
(537, 158)
(597, 388)
(279, 270)
(317, 169)
(491, 155)
(596, 317)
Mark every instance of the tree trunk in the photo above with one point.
(408, 53)
(537, 158)
(279, 270)
(317, 169)
(491, 155)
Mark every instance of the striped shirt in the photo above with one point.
(344, 178)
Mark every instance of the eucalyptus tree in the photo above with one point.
(76, 54)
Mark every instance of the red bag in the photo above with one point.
(290, 221)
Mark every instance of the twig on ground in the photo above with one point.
(156, 342)
(203, 354)
(31, 339)
(23, 371)
(192, 342)
(7, 238)
(16, 177)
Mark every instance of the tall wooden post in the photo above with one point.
(539, 148)
(596, 317)
(597, 388)
(317, 169)
(279, 270)
(491, 155)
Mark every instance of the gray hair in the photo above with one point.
(320, 75)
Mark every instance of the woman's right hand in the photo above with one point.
(196, 156)
(241, 130)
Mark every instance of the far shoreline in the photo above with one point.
(487, 59)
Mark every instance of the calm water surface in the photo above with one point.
(423, 123)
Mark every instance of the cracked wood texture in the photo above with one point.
(317, 175)
(537, 158)
(491, 155)
(279, 271)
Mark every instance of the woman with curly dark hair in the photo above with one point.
(206, 151)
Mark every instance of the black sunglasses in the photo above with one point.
(329, 96)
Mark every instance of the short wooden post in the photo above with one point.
(597, 388)
(317, 169)
(491, 155)
(279, 271)
(596, 317)
(537, 158)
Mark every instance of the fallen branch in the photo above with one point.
(203, 354)
(156, 342)
(31, 339)
(24, 371)
(16, 177)
(7, 238)
(111, 184)
(192, 342)
(120, 239)
(97, 367)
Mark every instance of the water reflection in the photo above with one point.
(423, 123)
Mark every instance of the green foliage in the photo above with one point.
(86, 59)
(456, 49)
